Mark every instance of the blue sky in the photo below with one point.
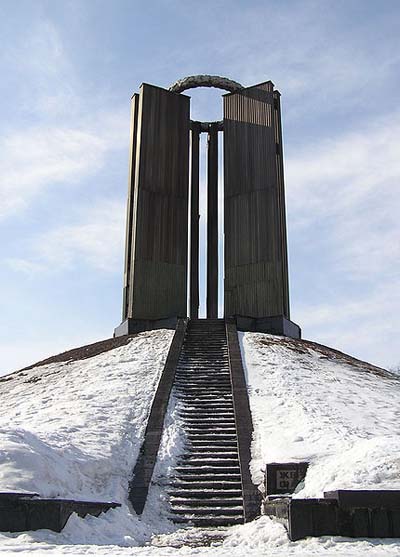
(68, 71)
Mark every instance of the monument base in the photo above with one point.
(274, 325)
(131, 326)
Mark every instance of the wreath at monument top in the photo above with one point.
(194, 81)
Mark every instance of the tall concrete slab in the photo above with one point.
(156, 260)
(256, 271)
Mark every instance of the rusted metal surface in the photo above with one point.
(158, 271)
(255, 237)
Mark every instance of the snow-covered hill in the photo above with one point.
(315, 404)
(73, 429)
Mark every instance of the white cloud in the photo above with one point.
(58, 137)
(362, 325)
(350, 184)
(344, 202)
(38, 158)
(95, 240)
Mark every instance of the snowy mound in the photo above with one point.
(74, 427)
(315, 404)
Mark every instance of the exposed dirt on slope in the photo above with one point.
(325, 352)
(80, 353)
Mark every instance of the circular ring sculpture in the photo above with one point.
(194, 81)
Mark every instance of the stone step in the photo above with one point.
(204, 389)
(203, 386)
(212, 448)
(201, 373)
(210, 485)
(212, 502)
(215, 355)
(210, 416)
(211, 437)
(205, 493)
(214, 462)
(204, 365)
(200, 379)
(210, 521)
(204, 346)
(202, 376)
(210, 424)
(199, 384)
(206, 510)
(198, 470)
(211, 445)
(195, 364)
(193, 407)
(215, 430)
(218, 413)
(208, 477)
(221, 452)
(193, 399)
(209, 405)
(206, 398)
(200, 414)
(215, 413)
(199, 393)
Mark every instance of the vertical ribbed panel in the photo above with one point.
(130, 206)
(255, 228)
(160, 210)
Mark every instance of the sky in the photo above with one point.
(68, 70)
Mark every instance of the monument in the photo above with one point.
(164, 176)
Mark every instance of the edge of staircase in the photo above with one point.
(244, 422)
(144, 467)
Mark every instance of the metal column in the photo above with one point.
(212, 222)
(194, 221)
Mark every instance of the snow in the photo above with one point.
(311, 404)
(74, 429)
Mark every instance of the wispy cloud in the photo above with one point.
(96, 240)
(362, 325)
(343, 205)
(349, 184)
(45, 157)
(55, 140)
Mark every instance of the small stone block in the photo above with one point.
(283, 478)
(312, 517)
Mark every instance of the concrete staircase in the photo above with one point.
(206, 489)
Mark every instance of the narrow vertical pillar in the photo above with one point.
(212, 222)
(194, 221)
(281, 200)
